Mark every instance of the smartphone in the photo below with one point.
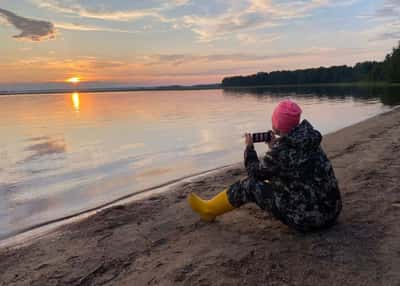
(262, 137)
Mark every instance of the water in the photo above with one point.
(64, 153)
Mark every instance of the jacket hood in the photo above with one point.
(303, 136)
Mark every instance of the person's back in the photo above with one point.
(306, 193)
(294, 181)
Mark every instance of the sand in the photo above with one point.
(159, 241)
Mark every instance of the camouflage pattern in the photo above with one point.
(301, 191)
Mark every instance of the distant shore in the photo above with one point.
(196, 87)
(340, 84)
(111, 89)
(159, 241)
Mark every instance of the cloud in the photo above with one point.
(390, 9)
(286, 10)
(214, 28)
(256, 15)
(387, 30)
(169, 63)
(88, 28)
(386, 23)
(209, 22)
(77, 9)
(237, 58)
(31, 29)
(389, 35)
(181, 2)
(3, 21)
(255, 39)
(177, 68)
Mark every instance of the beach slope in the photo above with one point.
(159, 241)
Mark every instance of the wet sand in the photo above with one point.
(159, 241)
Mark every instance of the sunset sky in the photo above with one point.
(158, 42)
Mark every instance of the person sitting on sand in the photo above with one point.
(294, 181)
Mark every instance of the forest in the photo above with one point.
(369, 71)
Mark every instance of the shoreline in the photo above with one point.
(35, 230)
(198, 87)
(111, 89)
(159, 241)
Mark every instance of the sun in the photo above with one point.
(74, 79)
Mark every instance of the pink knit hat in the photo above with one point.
(286, 116)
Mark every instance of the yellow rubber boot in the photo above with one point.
(209, 209)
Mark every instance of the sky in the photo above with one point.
(157, 42)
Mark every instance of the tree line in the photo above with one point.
(368, 71)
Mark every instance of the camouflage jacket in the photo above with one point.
(306, 193)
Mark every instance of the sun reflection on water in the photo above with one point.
(75, 101)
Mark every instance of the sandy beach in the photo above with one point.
(159, 241)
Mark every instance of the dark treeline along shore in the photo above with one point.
(369, 71)
(386, 94)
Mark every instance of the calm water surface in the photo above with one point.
(64, 153)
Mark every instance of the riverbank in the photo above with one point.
(367, 84)
(159, 241)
